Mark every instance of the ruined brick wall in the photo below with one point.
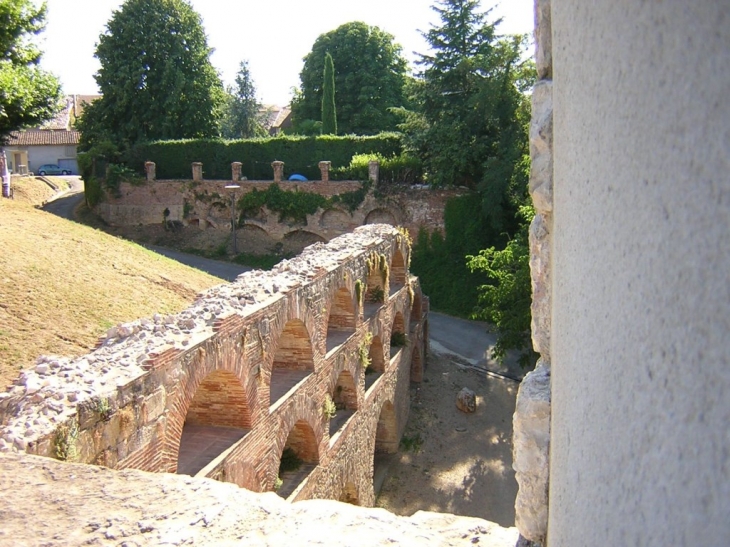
(206, 204)
(226, 361)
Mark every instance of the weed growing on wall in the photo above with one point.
(64, 441)
(289, 461)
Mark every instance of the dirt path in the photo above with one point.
(453, 462)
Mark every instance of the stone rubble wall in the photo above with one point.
(124, 405)
(206, 204)
(531, 421)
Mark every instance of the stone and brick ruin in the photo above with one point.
(251, 370)
(206, 205)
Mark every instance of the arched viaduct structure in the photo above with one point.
(247, 376)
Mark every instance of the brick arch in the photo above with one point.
(254, 226)
(386, 433)
(376, 355)
(335, 218)
(416, 307)
(381, 215)
(305, 237)
(416, 365)
(344, 393)
(342, 311)
(292, 358)
(299, 434)
(197, 370)
(398, 268)
(349, 494)
(349, 368)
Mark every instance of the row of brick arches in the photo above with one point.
(219, 414)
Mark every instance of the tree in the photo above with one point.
(156, 78)
(505, 300)
(369, 77)
(28, 95)
(242, 118)
(467, 126)
(329, 113)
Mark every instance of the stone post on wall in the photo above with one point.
(197, 171)
(324, 167)
(149, 168)
(531, 421)
(236, 171)
(374, 171)
(278, 170)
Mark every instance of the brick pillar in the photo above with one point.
(278, 170)
(197, 171)
(373, 171)
(324, 167)
(236, 171)
(149, 168)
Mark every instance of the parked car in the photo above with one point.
(52, 169)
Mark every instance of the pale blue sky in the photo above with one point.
(273, 35)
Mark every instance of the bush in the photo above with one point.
(393, 169)
(300, 154)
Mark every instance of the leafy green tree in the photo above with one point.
(505, 299)
(329, 113)
(28, 95)
(156, 77)
(242, 118)
(369, 77)
(466, 124)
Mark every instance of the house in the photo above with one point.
(275, 118)
(54, 142)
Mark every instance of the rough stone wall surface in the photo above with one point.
(125, 405)
(640, 444)
(531, 422)
(207, 205)
(97, 506)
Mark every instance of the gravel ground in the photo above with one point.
(453, 462)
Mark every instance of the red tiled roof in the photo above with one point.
(40, 137)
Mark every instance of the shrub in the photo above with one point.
(393, 169)
(289, 461)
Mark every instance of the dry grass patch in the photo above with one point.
(62, 285)
(34, 191)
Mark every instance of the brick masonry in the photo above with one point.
(213, 365)
(206, 204)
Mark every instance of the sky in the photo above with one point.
(273, 35)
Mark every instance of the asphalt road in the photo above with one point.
(469, 340)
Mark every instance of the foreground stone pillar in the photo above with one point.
(373, 171)
(197, 171)
(324, 168)
(236, 171)
(278, 170)
(150, 168)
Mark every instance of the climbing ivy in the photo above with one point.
(294, 206)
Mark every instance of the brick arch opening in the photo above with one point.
(349, 494)
(342, 318)
(335, 218)
(298, 458)
(344, 396)
(293, 359)
(218, 416)
(416, 308)
(386, 442)
(398, 269)
(398, 337)
(386, 434)
(381, 216)
(377, 362)
(416, 365)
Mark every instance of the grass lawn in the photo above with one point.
(62, 284)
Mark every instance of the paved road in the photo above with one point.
(224, 270)
(467, 339)
(65, 203)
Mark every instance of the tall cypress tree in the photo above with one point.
(329, 114)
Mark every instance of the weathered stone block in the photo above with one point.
(466, 400)
(543, 40)
(540, 280)
(541, 147)
(531, 440)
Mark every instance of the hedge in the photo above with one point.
(300, 154)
